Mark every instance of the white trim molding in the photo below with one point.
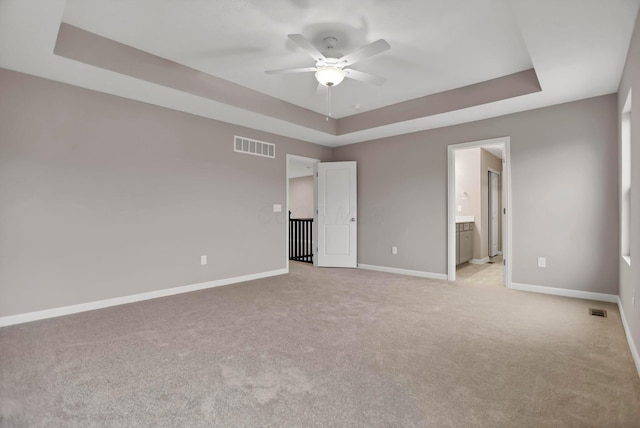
(99, 304)
(632, 345)
(417, 273)
(479, 261)
(578, 294)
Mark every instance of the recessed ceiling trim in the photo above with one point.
(576, 56)
(511, 86)
(83, 46)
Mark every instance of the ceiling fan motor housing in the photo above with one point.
(330, 66)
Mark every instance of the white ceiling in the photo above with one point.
(577, 47)
(239, 40)
(497, 151)
(300, 167)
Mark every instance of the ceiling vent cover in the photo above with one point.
(254, 147)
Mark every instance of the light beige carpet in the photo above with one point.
(325, 347)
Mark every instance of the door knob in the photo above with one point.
(353, 219)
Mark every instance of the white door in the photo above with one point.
(336, 214)
(494, 213)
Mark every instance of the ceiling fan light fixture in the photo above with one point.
(330, 76)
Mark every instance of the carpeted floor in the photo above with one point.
(325, 347)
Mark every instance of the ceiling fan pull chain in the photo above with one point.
(329, 101)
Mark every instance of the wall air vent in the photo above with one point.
(254, 147)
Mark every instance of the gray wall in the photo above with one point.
(565, 203)
(102, 197)
(630, 275)
(301, 197)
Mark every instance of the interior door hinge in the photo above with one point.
(504, 262)
(504, 211)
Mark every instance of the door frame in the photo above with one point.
(507, 250)
(286, 222)
(489, 200)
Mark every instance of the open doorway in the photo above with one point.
(324, 195)
(493, 214)
(300, 208)
(478, 212)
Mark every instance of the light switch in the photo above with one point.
(542, 262)
(277, 208)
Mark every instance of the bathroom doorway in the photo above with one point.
(479, 212)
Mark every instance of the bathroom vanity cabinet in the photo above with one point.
(464, 242)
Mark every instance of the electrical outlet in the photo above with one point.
(203, 260)
(459, 208)
(394, 250)
(542, 262)
(277, 208)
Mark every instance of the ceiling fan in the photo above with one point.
(330, 67)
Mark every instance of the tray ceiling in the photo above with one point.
(568, 50)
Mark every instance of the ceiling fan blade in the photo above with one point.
(301, 41)
(364, 77)
(292, 70)
(364, 52)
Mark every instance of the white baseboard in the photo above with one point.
(499, 253)
(479, 261)
(588, 295)
(89, 306)
(632, 345)
(404, 271)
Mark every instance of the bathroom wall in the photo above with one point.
(467, 182)
(487, 160)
